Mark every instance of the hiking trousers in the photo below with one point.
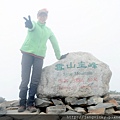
(30, 74)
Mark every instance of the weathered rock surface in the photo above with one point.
(2, 99)
(95, 100)
(115, 96)
(13, 103)
(71, 113)
(42, 103)
(57, 102)
(56, 109)
(69, 100)
(80, 102)
(97, 111)
(113, 101)
(80, 74)
(3, 110)
(110, 111)
(102, 105)
(80, 110)
(69, 108)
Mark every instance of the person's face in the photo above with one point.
(42, 17)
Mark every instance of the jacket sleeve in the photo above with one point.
(55, 45)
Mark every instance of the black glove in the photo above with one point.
(28, 23)
(63, 56)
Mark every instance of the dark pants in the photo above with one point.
(29, 63)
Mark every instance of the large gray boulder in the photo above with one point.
(80, 74)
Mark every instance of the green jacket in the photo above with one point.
(36, 40)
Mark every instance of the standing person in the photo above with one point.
(33, 53)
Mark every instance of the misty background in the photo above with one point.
(79, 25)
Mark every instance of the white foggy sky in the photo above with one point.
(80, 25)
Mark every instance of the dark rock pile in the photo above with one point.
(60, 108)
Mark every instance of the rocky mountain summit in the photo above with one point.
(77, 85)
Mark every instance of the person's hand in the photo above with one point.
(28, 23)
(63, 56)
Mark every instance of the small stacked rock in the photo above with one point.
(99, 105)
(94, 105)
